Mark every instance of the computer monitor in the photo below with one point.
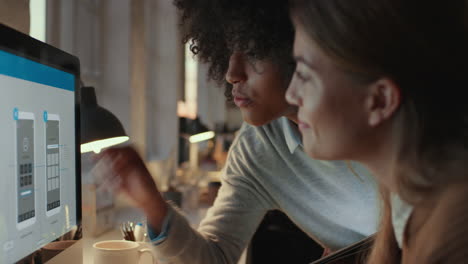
(40, 187)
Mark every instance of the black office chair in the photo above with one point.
(279, 240)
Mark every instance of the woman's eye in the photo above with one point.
(301, 76)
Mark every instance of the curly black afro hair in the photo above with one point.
(261, 29)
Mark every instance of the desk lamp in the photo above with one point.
(195, 132)
(99, 127)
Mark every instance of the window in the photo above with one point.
(38, 19)
(188, 107)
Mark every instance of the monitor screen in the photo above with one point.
(38, 153)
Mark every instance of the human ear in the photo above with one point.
(382, 101)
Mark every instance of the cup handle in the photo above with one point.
(146, 250)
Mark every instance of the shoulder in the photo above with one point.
(258, 139)
(453, 195)
(254, 148)
(451, 208)
(444, 236)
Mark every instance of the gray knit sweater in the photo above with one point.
(267, 169)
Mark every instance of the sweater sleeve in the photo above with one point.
(228, 227)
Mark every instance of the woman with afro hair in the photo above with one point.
(247, 45)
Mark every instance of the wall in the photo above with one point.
(211, 103)
(98, 33)
(130, 51)
(15, 13)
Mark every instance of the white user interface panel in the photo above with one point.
(37, 150)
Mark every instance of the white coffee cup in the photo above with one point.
(119, 252)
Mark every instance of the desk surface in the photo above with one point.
(72, 255)
(82, 251)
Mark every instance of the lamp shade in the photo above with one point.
(194, 130)
(99, 127)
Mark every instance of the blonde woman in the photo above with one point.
(383, 82)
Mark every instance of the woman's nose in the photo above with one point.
(292, 95)
(236, 70)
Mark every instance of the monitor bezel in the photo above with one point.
(23, 45)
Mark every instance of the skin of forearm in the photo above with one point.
(155, 212)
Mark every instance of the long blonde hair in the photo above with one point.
(422, 46)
